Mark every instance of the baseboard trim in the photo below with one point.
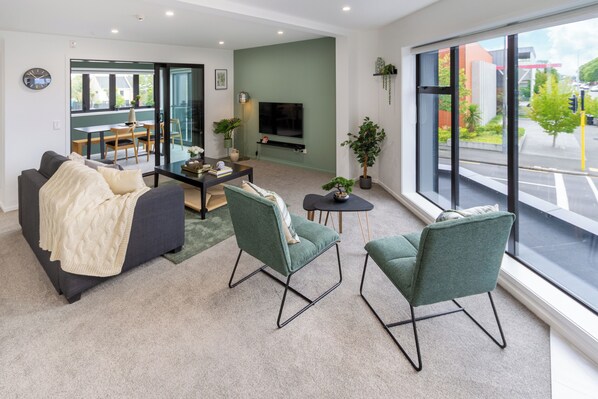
(6, 209)
(571, 320)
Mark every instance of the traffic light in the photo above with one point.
(573, 103)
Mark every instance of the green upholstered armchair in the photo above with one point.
(448, 260)
(258, 228)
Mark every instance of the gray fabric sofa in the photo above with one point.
(158, 227)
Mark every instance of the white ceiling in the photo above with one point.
(202, 23)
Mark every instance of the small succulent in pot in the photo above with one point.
(343, 186)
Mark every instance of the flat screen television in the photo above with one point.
(283, 119)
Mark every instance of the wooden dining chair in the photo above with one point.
(178, 133)
(149, 144)
(124, 138)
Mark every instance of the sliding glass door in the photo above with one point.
(180, 96)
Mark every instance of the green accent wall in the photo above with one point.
(300, 72)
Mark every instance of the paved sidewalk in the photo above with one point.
(536, 150)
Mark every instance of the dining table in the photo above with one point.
(101, 129)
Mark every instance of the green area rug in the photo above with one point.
(203, 234)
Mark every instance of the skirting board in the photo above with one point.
(6, 209)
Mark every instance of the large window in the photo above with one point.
(495, 125)
(105, 91)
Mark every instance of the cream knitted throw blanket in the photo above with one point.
(82, 223)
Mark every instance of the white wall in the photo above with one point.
(29, 115)
(357, 95)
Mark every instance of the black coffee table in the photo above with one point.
(204, 180)
(327, 204)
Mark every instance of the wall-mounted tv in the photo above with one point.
(283, 119)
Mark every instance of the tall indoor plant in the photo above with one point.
(226, 127)
(366, 146)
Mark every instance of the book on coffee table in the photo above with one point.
(221, 172)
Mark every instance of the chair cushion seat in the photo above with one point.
(396, 258)
(314, 237)
(144, 138)
(120, 142)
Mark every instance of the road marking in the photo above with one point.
(470, 162)
(561, 192)
(592, 186)
(525, 182)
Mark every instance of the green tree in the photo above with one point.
(444, 79)
(120, 101)
(588, 72)
(542, 77)
(146, 89)
(591, 105)
(550, 108)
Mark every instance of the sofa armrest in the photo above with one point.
(158, 224)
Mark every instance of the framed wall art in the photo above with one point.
(221, 79)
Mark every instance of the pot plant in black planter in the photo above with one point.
(343, 186)
(227, 127)
(366, 146)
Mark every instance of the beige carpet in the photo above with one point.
(170, 331)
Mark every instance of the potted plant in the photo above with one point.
(134, 104)
(388, 70)
(226, 127)
(343, 186)
(366, 146)
(195, 151)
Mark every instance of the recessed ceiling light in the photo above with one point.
(280, 32)
(220, 42)
(114, 31)
(169, 13)
(346, 8)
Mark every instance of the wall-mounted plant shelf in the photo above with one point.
(394, 72)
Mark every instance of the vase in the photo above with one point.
(234, 155)
(132, 118)
(228, 143)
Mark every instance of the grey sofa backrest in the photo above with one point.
(50, 163)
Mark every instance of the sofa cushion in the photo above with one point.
(453, 214)
(122, 181)
(287, 225)
(50, 163)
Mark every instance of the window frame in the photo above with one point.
(86, 100)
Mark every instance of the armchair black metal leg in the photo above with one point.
(230, 282)
(417, 366)
(311, 303)
(502, 336)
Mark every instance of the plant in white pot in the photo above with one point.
(227, 127)
(366, 146)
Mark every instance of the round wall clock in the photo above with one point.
(37, 78)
